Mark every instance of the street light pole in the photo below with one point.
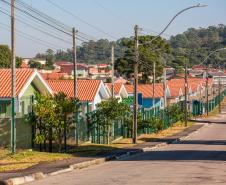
(137, 60)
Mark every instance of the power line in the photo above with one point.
(36, 18)
(46, 17)
(47, 31)
(80, 19)
(31, 38)
(122, 20)
(43, 15)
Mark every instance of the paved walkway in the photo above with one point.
(200, 159)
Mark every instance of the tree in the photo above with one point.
(34, 64)
(198, 43)
(109, 111)
(44, 110)
(50, 58)
(65, 109)
(53, 117)
(148, 53)
(18, 62)
(6, 57)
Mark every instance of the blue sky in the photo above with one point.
(117, 18)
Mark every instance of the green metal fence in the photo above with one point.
(198, 107)
(23, 130)
(88, 132)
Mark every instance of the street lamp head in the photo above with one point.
(201, 5)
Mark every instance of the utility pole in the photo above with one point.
(164, 84)
(113, 70)
(219, 93)
(207, 91)
(13, 73)
(185, 92)
(135, 98)
(164, 90)
(75, 82)
(153, 90)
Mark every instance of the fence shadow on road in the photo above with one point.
(208, 121)
(180, 155)
(203, 142)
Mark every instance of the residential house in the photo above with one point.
(28, 82)
(147, 99)
(68, 68)
(121, 80)
(55, 76)
(100, 71)
(89, 92)
(119, 90)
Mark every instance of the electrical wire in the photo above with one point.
(80, 19)
(29, 37)
(36, 18)
(43, 15)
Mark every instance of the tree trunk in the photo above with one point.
(50, 140)
(60, 143)
(65, 134)
(109, 134)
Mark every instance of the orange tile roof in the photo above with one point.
(129, 88)
(117, 87)
(53, 76)
(24, 65)
(121, 80)
(176, 84)
(22, 75)
(147, 90)
(86, 89)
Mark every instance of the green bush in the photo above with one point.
(154, 123)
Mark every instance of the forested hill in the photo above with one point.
(193, 44)
(196, 44)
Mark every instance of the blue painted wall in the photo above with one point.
(148, 102)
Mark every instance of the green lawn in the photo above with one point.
(26, 158)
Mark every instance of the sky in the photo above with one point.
(112, 19)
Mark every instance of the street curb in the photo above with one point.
(40, 175)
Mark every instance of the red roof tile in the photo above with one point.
(22, 76)
(53, 76)
(147, 90)
(117, 87)
(87, 89)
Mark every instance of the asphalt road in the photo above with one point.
(200, 159)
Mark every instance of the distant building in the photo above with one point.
(68, 68)
(100, 71)
(25, 61)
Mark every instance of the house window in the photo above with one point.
(2, 108)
